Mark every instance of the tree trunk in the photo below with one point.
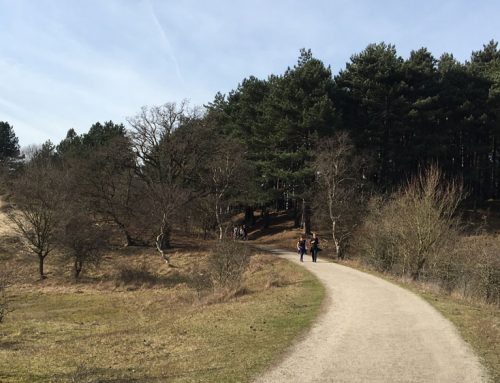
(128, 238)
(133, 241)
(218, 218)
(41, 258)
(78, 268)
(265, 217)
(163, 241)
(249, 217)
(306, 217)
(335, 239)
(418, 271)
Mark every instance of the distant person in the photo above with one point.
(239, 232)
(301, 248)
(244, 233)
(314, 247)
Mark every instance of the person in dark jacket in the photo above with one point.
(314, 247)
(301, 248)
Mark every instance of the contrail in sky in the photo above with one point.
(165, 39)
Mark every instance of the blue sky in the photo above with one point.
(68, 63)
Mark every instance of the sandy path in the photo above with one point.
(6, 227)
(374, 331)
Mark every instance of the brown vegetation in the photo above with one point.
(4, 303)
(418, 233)
(135, 319)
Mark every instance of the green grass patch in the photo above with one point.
(156, 335)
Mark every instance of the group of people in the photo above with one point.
(240, 232)
(314, 247)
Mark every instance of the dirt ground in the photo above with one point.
(5, 224)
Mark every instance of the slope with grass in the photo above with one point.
(136, 320)
(154, 330)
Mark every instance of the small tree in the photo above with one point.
(83, 240)
(227, 264)
(37, 194)
(428, 206)
(415, 226)
(101, 164)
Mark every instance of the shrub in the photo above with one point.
(227, 264)
(375, 240)
(414, 228)
(417, 233)
(477, 262)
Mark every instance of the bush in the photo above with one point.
(375, 240)
(416, 233)
(414, 228)
(476, 266)
(227, 263)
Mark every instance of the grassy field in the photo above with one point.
(136, 320)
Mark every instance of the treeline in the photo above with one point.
(316, 145)
(171, 169)
(401, 113)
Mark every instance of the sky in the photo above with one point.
(70, 63)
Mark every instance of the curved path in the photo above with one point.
(373, 331)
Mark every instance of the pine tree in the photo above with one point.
(9, 143)
(371, 101)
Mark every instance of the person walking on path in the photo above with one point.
(301, 248)
(314, 247)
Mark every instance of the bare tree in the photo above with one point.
(428, 206)
(227, 264)
(339, 173)
(164, 162)
(37, 195)
(104, 176)
(83, 239)
(222, 176)
(416, 228)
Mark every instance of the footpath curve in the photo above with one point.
(374, 331)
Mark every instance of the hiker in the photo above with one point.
(301, 248)
(314, 247)
(244, 233)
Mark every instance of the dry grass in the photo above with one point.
(136, 320)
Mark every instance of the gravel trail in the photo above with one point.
(374, 331)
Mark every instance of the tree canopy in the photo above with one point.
(9, 143)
